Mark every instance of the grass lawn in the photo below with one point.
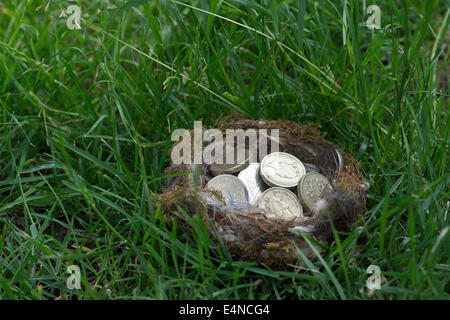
(86, 117)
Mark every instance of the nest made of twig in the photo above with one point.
(246, 230)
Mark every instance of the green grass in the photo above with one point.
(86, 117)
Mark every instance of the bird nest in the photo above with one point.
(246, 230)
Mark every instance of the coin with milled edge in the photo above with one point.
(280, 203)
(280, 169)
(310, 167)
(340, 160)
(251, 179)
(230, 168)
(310, 189)
(233, 190)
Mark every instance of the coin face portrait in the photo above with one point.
(281, 203)
(252, 181)
(280, 169)
(232, 189)
(311, 188)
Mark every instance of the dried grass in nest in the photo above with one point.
(246, 231)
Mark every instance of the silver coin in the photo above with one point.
(310, 189)
(280, 203)
(230, 168)
(252, 181)
(339, 161)
(233, 190)
(310, 168)
(280, 169)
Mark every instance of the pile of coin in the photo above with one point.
(281, 184)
